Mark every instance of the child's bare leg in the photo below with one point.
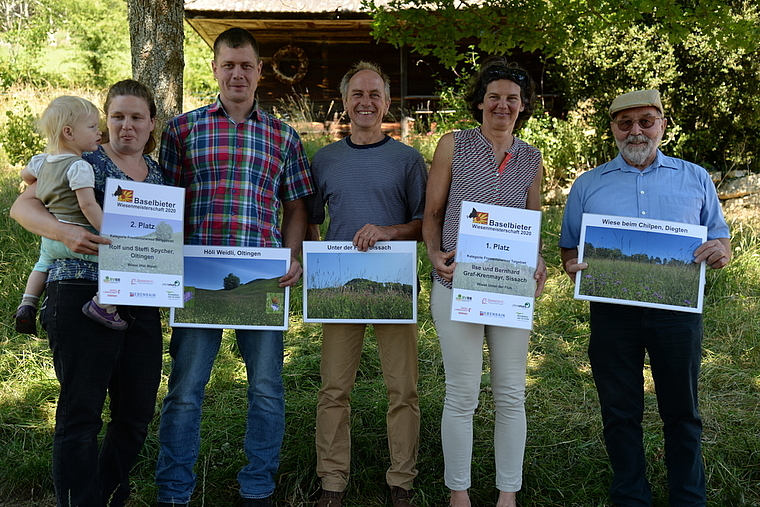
(35, 285)
(26, 312)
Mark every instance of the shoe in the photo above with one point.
(108, 317)
(330, 499)
(25, 318)
(401, 497)
(257, 502)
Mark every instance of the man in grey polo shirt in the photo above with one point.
(374, 189)
(642, 182)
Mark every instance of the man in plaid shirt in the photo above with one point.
(239, 166)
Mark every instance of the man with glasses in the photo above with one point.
(642, 182)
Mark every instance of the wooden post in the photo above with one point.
(404, 93)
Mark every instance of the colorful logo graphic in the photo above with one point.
(124, 195)
(478, 217)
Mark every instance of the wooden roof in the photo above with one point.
(272, 20)
(293, 6)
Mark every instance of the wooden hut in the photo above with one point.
(307, 46)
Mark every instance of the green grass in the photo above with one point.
(565, 461)
(623, 279)
(352, 302)
(213, 306)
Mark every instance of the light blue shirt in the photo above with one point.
(669, 189)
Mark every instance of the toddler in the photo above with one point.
(65, 184)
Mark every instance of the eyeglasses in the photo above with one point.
(644, 123)
(516, 75)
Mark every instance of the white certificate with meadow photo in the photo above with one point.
(234, 288)
(342, 284)
(641, 262)
(496, 260)
(143, 265)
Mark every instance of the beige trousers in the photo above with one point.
(341, 351)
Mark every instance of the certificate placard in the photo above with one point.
(234, 288)
(640, 262)
(143, 264)
(344, 285)
(496, 259)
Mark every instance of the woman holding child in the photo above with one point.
(90, 359)
(486, 165)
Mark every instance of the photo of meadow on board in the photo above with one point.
(233, 293)
(360, 287)
(641, 267)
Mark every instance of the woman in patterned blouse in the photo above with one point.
(486, 165)
(91, 360)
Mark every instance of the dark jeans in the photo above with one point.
(620, 335)
(91, 360)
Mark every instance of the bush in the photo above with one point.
(20, 138)
(709, 93)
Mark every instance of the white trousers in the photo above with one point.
(462, 349)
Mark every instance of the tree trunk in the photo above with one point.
(157, 37)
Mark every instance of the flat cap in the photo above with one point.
(640, 98)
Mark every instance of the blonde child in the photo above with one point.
(65, 184)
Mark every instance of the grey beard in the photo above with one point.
(636, 155)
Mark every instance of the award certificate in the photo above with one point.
(342, 284)
(143, 264)
(496, 259)
(640, 262)
(234, 288)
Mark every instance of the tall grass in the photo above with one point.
(565, 461)
(623, 279)
(359, 303)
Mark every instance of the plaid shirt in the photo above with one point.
(235, 175)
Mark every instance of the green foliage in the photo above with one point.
(96, 30)
(707, 92)
(198, 77)
(231, 281)
(703, 56)
(19, 135)
(451, 114)
(436, 27)
(565, 144)
(100, 33)
(24, 28)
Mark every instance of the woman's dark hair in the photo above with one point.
(493, 69)
(132, 88)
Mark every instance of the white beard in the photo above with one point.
(636, 154)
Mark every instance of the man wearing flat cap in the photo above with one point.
(643, 182)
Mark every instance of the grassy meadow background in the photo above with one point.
(624, 279)
(565, 461)
(366, 299)
(248, 304)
